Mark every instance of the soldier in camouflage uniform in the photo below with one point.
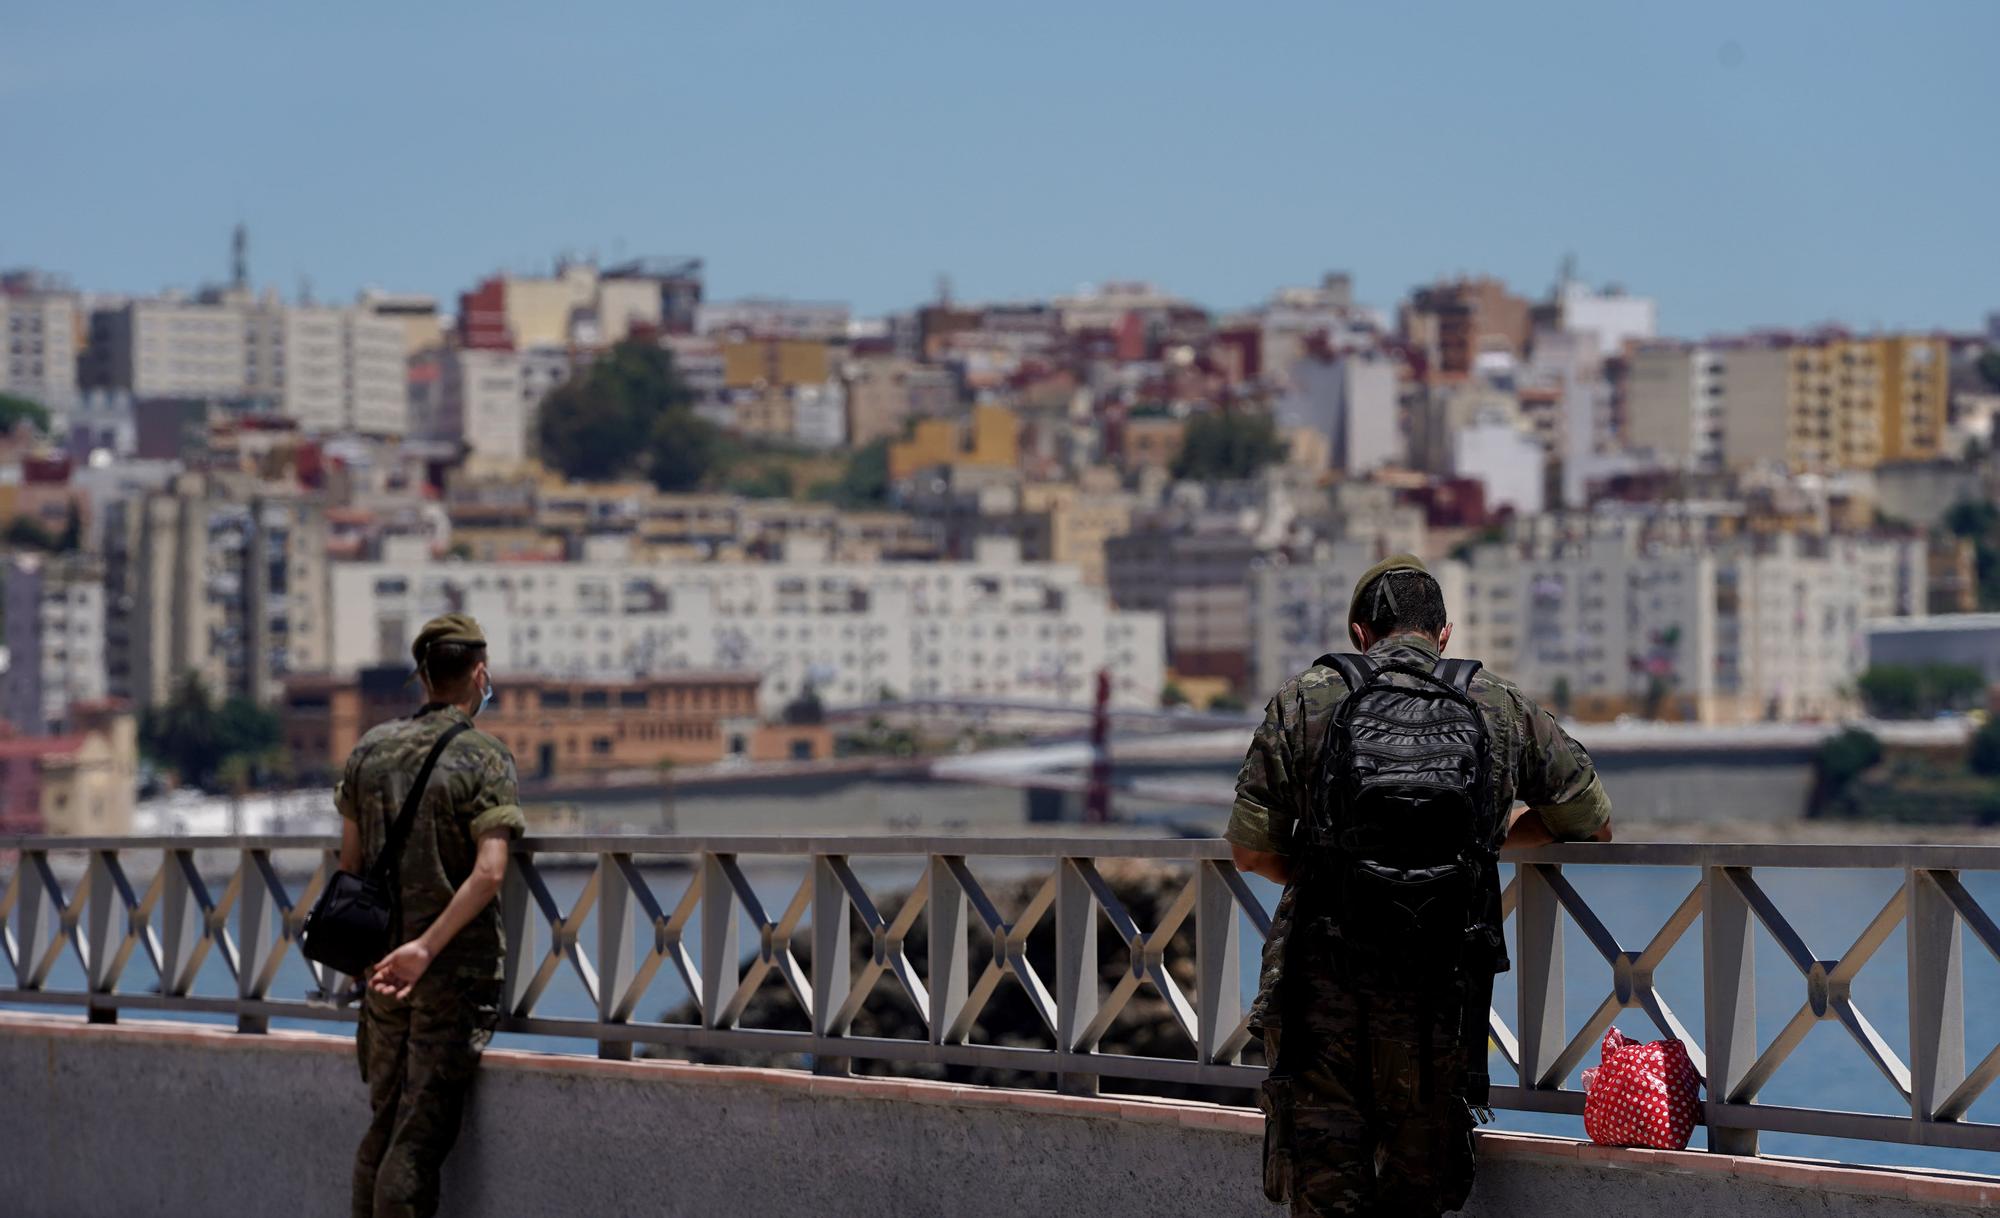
(1350, 1127)
(431, 1005)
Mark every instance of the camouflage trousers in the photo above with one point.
(418, 1057)
(1353, 1127)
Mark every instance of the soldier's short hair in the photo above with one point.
(1404, 601)
(446, 666)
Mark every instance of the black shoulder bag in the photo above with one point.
(350, 925)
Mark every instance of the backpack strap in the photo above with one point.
(1356, 670)
(1457, 673)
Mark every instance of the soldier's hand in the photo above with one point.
(396, 973)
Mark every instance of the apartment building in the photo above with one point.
(1822, 405)
(1351, 402)
(218, 579)
(563, 727)
(330, 369)
(1613, 621)
(1298, 610)
(578, 305)
(38, 336)
(81, 783)
(344, 371)
(55, 641)
(992, 626)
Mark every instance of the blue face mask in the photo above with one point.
(485, 695)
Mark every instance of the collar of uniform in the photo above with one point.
(445, 709)
(1405, 642)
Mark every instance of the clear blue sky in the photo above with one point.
(1775, 162)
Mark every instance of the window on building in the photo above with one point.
(555, 699)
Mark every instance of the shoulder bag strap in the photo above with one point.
(392, 847)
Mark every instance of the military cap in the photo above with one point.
(1395, 562)
(451, 628)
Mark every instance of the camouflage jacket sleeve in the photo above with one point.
(346, 790)
(485, 790)
(1270, 788)
(1557, 778)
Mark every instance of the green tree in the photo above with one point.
(768, 482)
(604, 423)
(14, 411)
(681, 450)
(212, 746)
(182, 733)
(1172, 695)
(1224, 446)
(23, 533)
(865, 481)
(1560, 695)
(1841, 760)
(1984, 756)
(1898, 691)
(1978, 520)
(1225, 702)
(1989, 366)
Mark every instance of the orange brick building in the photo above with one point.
(559, 726)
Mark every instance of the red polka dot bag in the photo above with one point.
(1642, 1095)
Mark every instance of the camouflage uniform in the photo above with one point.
(418, 1054)
(1362, 1136)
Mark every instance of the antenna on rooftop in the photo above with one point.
(239, 256)
(944, 290)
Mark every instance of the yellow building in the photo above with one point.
(994, 443)
(774, 363)
(79, 784)
(1080, 522)
(1855, 403)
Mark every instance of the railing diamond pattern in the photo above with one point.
(102, 921)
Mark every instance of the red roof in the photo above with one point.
(34, 748)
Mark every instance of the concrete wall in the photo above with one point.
(158, 1119)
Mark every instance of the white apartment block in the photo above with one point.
(55, 638)
(1351, 401)
(1298, 611)
(1738, 632)
(761, 318)
(344, 371)
(38, 347)
(332, 369)
(994, 627)
(1673, 406)
(1612, 317)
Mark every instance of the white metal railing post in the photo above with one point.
(721, 959)
(1729, 990)
(30, 913)
(253, 938)
(1218, 963)
(1539, 941)
(615, 968)
(184, 934)
(832, 957)
(945, 971)
(517, 930)
(104, 932)
(1076, 971)
(1937, 993)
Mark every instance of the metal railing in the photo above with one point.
(250, 919)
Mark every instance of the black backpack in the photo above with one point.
(1403, 830)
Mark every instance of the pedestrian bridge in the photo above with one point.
(228, 1115)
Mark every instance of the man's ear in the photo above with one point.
(1444, 638)
(1359, 635)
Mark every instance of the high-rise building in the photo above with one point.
(215, 580)
(38, 336)
(344, 371)
(993, 626)
(55, 641)
(1351, 401)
